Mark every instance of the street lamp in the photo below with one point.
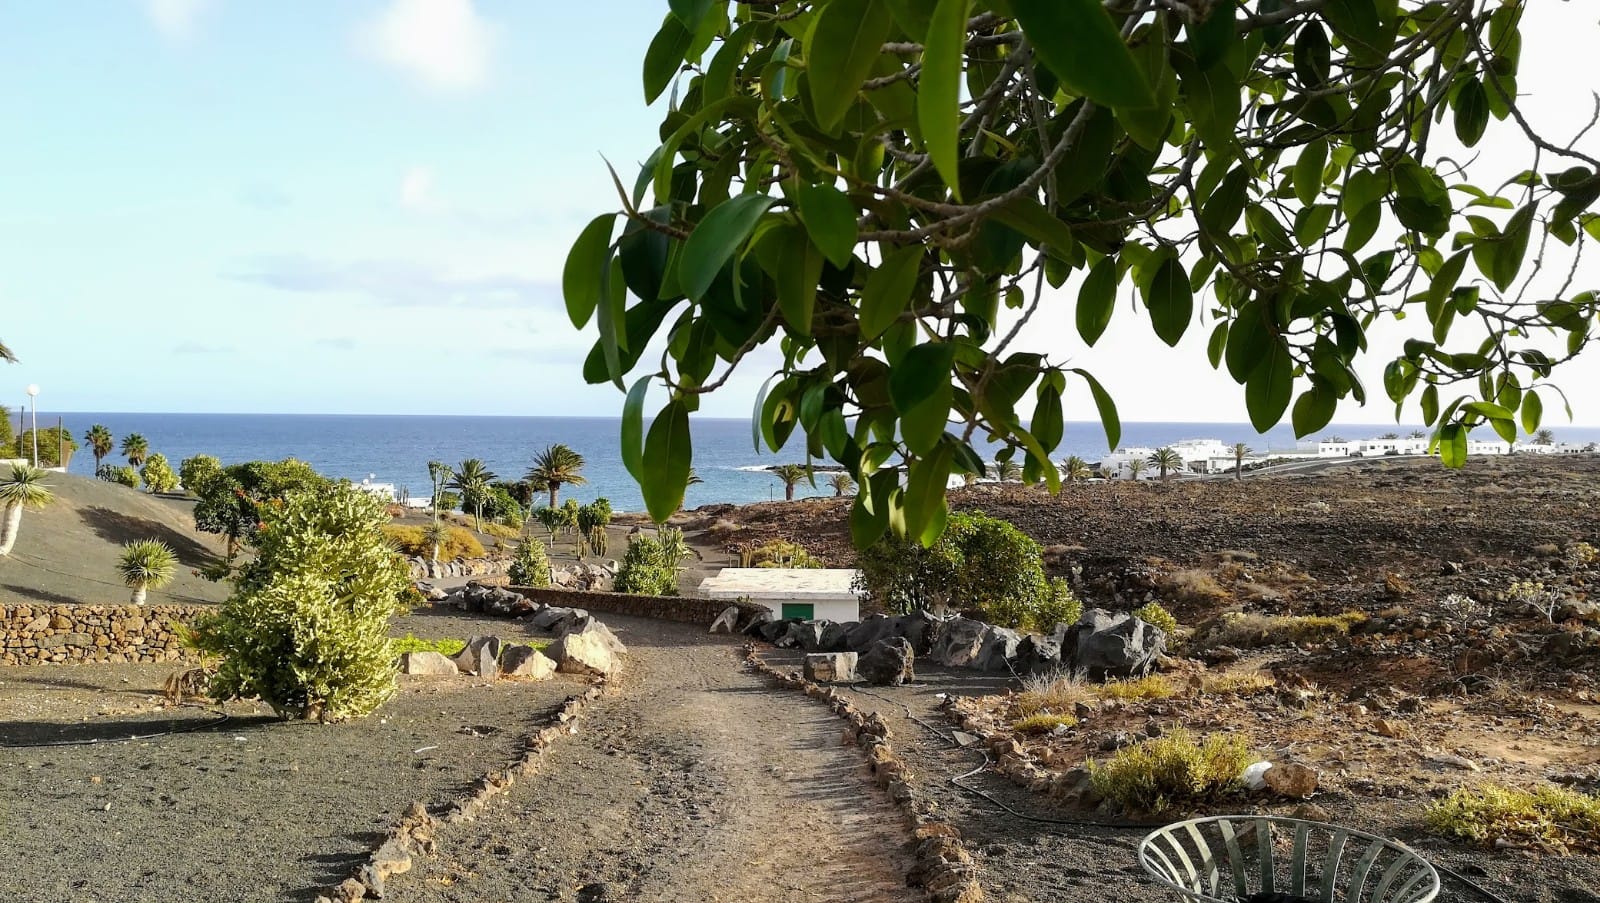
(33, 400)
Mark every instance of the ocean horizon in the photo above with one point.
(396, 448)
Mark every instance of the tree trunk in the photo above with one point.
(1238, 468)
(554, 488)
(139, 594)
(9, 528)
(788, 492)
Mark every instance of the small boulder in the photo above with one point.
(726, 621)
(757, 621)
(432, 664)
(959, 643)
(865, 633)
(919, 628)
(582, 653)
(1037, 655)
(998, 649)
(835, 636)
(1104, 645)
(589, 626)
(481, 656)
(1291, 779)
(828, 667)
(525, 662)
(889, 663)
(772, 631)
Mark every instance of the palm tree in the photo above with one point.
(1135, 467)
(791, 475)
(1544, 437)
(694, 478)
(1416, 434)
(6, 355)
(841, 483)
(1008, 471)
(1166, 459)
(23, 488)
(100, 442)
(555, 467)
(135, 449)
(438, 474)
(471, 479)
(1239, 452)
(1076, 469)
(145, 565)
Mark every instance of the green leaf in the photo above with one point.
(1311, 223)
(926, 506)
(1430, 404)
(1504, 428)
(1532, 412)
(840, 51)
(1313, 411)
(1097, 298)
(1472, 112)
(799, 271)
(1313, 56)
(613, 319)
(830, 219)
(586, 264)
(1213, 38)
(1267, 392)
(1217, 344)
(662, 58)
(869, 516)
(1249, 343)
(1512, 247)
(1170, 300)
(1453, 445)
(1078, 41)
(1106, 405)
(920, 387)
(1488, 410)
(1308, 171)
(713, 242)
(689, 12)
(667, 454)
(888, 290)
(1222, 209)
(633, 428)
(1037, 224)
(1047, 425)
(939, 89)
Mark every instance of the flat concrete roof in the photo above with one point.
(801, 584)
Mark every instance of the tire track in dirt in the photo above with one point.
(694, 780)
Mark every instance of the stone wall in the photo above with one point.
(72, 634)
(666, 608)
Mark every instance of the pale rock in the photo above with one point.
(525, 662)
(480, 657)
(1252, 776)
(727, 622)
(1291, 779)
(582, 653)
(432, 664)
(827, 667)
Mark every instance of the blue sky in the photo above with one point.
(218, 205)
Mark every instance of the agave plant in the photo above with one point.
(23, 487)
(145, 565)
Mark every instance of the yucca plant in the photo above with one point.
(23, 487)
(145, 565)
(435, 534)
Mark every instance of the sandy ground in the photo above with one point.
(251, 809)
(694, 781)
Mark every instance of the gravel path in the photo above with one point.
(694, 780)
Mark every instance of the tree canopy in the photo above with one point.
(886, 191)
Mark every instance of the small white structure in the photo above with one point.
(790, 592)
(384, 491)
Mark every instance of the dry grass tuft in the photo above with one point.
(1043, 724)
(1152, 687)
(1060, 693)
(1553, 818)
(1249, 631)
(1171, 771)
(1238, 683)
(1193, 586)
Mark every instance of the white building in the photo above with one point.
(1377, 448)
(808, 593)
(384, 491)
(1198, 456)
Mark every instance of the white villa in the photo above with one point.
(1199, 456)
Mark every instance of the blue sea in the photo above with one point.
(396, 449)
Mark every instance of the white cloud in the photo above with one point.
(445, 43)
(416, 188)
(175, 19)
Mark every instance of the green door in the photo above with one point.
(803, 610)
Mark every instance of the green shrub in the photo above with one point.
(307, 626)
(500, 531)
(1171, 771)
(649, 568)
(1552, 817)
(121, 474)
(158, 475)
(780, 553)
(1153, 614)
(498, 505)
(409, 643)
(458, 542)
(530, 566)
(980, 564)
(1043, 724)
(1059, 606)
(56, 446)
(197, 471)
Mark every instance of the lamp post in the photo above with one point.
(33, 403)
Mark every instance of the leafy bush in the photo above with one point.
(780, 553)
(1582, 554)
(1153, 614)
(158, 475)
(1555, 818)
(121, 474)
(448, 501)
(409, 643)
(1059, 606)
(554, 519)
(530, 566)
(980, 564)
(500, 506)
(648, 568)
(458, 542)
(56, 446)
(233, 503)
(306, 628)
(198, 470)
(1171, 771)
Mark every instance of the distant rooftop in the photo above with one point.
(799, 584)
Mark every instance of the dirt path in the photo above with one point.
(694, 781)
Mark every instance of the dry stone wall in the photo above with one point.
(73, 634)
(666, 608)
